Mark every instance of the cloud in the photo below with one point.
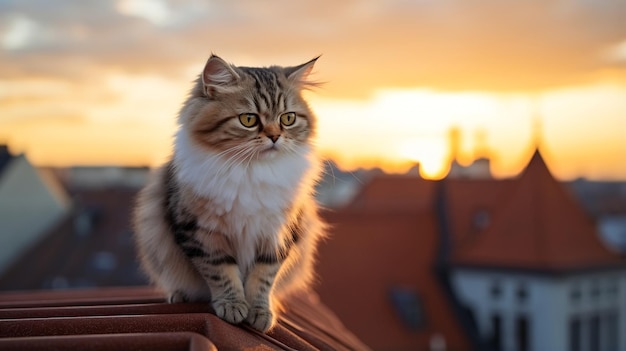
(448, 45)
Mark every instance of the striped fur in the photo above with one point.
(231, 217)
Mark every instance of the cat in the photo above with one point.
(231, 218)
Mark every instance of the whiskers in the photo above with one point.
(236, 156)
(244, 155)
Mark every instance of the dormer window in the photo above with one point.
(481, 219)
(408, 307)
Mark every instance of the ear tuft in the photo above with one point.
(218, 75)
(299, 74)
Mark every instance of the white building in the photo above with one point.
(30, 203)
(538, 277)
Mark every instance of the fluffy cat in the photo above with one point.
(231, 218)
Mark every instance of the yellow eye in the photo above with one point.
(288, 118)
(248, 120)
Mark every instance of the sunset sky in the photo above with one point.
(101, 82)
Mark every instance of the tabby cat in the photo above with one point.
(231, 218)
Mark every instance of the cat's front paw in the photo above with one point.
(260, 319)
(231, 311)
(178, 296)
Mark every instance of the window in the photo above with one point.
(496, 289)
(574, 334)
(481, 220)
(595, 289)
(408, 307)
(522, 293)
(574, 294)
(522, 333)
(496, 333)
(611, 333)
(594, 333)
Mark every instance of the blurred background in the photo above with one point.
(476, 154)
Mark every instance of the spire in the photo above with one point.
(537, 124)
(481, 149)
(454, 138)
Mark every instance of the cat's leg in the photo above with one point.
(224, 280)
(259, 283)
(258, 287)
(218, 266)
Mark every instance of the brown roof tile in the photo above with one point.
(472, 205)
(394, 193)
(130, 318)
(539, 226)
(385, 241)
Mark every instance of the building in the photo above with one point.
(30, 202)
(79, 286)
(606, 201)
(91, 246)
(379, 269)
(479, 168)
(538, 276)
(473, 264)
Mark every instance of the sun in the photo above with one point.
(430, 153)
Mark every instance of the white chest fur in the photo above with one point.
(243, 201)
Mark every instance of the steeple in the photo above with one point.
(537, 125)
(539, 227)
(454, 138)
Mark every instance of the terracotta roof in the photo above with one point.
(97, 250)
(394, 193)
(138, 318)
(383, 245)
(472, 205)
(539, 226)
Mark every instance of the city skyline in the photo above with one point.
(102, 83)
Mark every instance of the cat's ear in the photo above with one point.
(300, 74)
(218, 76)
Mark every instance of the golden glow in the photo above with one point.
(431, 154)
(77, 92)
(394, 129)
(400, 127)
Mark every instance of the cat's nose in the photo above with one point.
(274, 137)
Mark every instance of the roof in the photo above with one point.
(5, 157)
(538, 226)
(97, 250)
(394, 193)
(472, 205)
(138, 318)
(96, 242)
(383, 247)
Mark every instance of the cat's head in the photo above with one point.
(249, 113)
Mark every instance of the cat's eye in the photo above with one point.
(248, 120)
(288, 118)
